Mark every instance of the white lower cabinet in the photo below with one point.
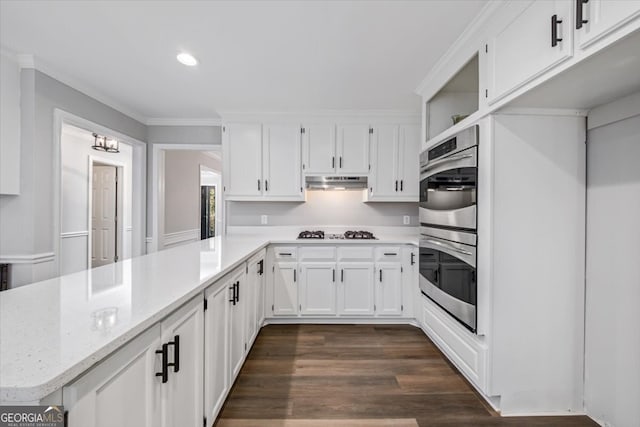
(237, 341)
(154, 380)
(122, 390)
(355, 289)
(318, 288)
(216, 349)
(182, 332)
(255, 291)
(285, 289)
(389, 289)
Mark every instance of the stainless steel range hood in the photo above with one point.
(336, 182)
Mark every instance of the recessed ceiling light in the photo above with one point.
(187, 59)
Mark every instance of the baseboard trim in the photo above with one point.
(172, 239)
(72, 234)
(339, 321)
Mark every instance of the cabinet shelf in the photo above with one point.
(458, 97)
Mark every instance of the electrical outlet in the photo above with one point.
(406, 220)
(263, 220)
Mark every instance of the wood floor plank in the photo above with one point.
(357, 376)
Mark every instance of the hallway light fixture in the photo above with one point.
(102, 143)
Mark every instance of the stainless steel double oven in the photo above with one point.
(448, 225)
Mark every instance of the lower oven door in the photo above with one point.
(448, 276)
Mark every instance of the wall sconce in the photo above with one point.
(102, 143)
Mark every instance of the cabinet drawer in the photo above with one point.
(357, 253)
(317, 253)
(285, 252)
(388, 253)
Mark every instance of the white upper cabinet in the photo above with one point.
(242, 145)
(281, 161)
(597, 18)
(384, 150)
(262, 162)
(353, 149)
(540, 37)
(394, 152)
(409, 170)
(319, 149)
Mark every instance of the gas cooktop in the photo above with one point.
(351, 234)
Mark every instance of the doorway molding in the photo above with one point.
(156, 240)
(138, 173)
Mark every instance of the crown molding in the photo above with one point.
(469, 34)
(160, 121)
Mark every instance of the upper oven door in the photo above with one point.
(448, 190)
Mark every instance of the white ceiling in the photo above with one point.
(254, 55)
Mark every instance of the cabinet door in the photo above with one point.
(242, 147)
(408, 154)
(261, 292)
(353, 149)
(389, 289)
(523, 49)
(384, 176)
(603, 17)
(319, 146)
(183, 393)
(318, 288)
(356, 296)
(251, 292)
(216, 350)
(285, 289)
(281, 161)
(122, 390)
(237, 338)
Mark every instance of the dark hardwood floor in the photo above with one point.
(357, 376)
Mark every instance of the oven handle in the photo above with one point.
(450, 247)
(432, 165)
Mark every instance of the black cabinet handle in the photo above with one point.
(554, 30)
(580, 13)
(165, 366)
(294, 275)
(261, 269)
(436, 273)
(390, 254)
(266, 185)
(334, 275)
(258, 185)
(396, 185)
(380, 275)
(285, 254)
(401, 184)
(342, 275)
(333, 162)
(233, 294)
(413, 258)
(176, 353)
(238, 291)
(341, 162)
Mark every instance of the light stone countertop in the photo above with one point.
(50, 331)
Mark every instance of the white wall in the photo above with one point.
(182, 194)
(9, 125)
(612, 339)
(331, 208)
(76, 152)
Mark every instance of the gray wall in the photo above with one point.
(182, 188)
(26, 221)
(331, 208)
(178, 135)
(612, 340)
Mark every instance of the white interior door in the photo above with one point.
(103, 215)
